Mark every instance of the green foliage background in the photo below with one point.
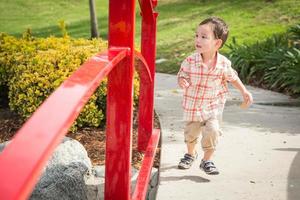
(263, 49)
(249, 21)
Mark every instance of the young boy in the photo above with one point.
(204, 76)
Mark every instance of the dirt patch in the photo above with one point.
(93, 139)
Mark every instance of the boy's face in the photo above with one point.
(205, 40)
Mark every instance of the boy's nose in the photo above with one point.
(198, 41)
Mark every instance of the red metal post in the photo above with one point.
(119, 103)
(148, 49)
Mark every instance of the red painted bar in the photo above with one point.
(145, 171)
(119, 103)
(148, 49)
(147, 10)
(142, 68)
(154, 3)
(22, 161)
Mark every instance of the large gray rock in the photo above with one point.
(62, 182)
(69, 151)
(63, 177)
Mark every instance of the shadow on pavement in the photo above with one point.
(293, 187)
(196, 179)
(163, 169)
(274, 119)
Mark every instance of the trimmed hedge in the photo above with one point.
(32, 68)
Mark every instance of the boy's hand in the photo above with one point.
(183, 83)
(248, 99)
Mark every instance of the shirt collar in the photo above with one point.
(218, 63)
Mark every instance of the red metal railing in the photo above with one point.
(22, 161)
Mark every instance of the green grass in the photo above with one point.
(249, 21)
(43, 17)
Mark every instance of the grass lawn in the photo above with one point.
(43, 17)
(249, 21)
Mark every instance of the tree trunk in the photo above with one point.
(94, 23)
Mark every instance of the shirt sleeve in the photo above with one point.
(229, 73)
(184, 70)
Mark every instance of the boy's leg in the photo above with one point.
(209, 142)
(191, 147)
(208, 154)
(191, 133)
(209, 139)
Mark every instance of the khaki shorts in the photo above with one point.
(209, 129)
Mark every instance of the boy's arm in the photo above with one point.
(248, 99)
(183, 77)
(232, 76)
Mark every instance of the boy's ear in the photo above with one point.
(219, 43)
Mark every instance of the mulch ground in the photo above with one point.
(93, 139)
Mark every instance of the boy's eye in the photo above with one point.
(202, 36)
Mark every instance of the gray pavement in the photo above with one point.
(258, 154)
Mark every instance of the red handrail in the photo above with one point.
(144, 174)
(21, 162)
(142, 68)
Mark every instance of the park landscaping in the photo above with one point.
(263, 46)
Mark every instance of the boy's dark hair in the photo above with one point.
(219, 27)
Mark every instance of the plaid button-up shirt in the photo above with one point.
(206, 95)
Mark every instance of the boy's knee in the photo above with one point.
(191, 140)
(192, 132)
(210, 139)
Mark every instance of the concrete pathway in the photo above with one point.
(258, 154)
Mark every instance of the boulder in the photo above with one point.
(63, 177)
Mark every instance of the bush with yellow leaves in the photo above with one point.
(32, 68)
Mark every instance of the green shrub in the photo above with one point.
(33, 68)
(273, 63)
(285, 75)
